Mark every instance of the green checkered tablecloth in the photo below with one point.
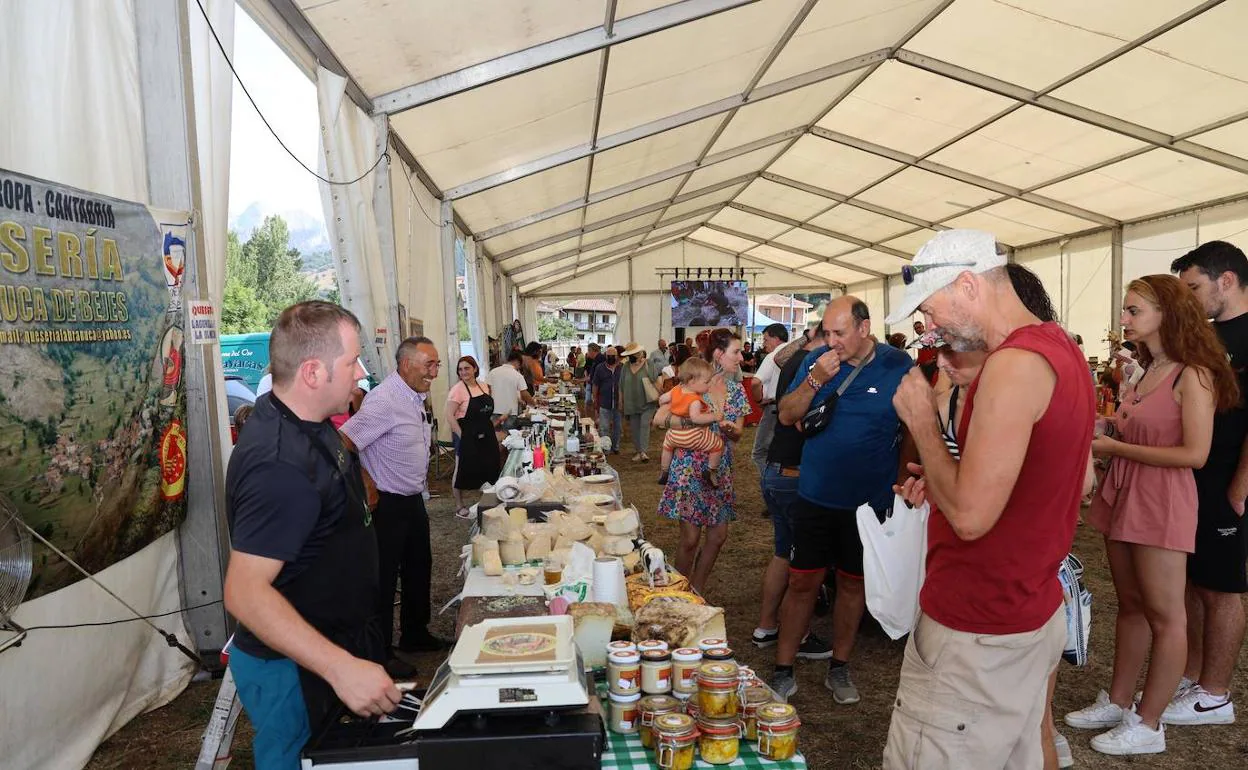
(626, 752)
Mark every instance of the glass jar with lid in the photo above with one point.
(751, 701)
(719, 740)
(717, 690)
(624, 672)
(656, 672)
(651, 707)
(625, 714)
(674, 738)
(718, 653)
(652, 644)
(777, 731)
(685, 662)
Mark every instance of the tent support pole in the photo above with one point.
(449, 289)
(1115, 276)
(171, 148)
(632, 310)
(383, 213)
(888, 281)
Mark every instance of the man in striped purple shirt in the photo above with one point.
(392, 435)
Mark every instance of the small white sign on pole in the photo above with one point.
(203, 322)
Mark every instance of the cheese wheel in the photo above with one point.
(623, 522)
(512, 551)
(492, 563)
(494, 523)
(632, 562)
(538, 548)
(617, 545)
(481, 544)
(519, 517)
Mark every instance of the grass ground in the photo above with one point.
(833, 737)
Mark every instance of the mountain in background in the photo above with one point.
(307, 230)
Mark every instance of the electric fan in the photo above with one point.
(15, 565)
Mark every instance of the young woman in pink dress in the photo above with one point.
(1147, 506)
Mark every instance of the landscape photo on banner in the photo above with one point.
(92, 351)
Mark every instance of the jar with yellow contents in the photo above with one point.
(674, 735)
(651, 707)
(777, 731)
(753, 698)
(717, 690)
(719, 740)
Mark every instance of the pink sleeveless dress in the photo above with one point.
(1144, 504)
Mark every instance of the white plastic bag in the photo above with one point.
(894, 561)
(1078, 601)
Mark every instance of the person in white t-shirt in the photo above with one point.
(508, 387)
(764, 386)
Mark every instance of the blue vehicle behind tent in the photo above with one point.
(246, 356)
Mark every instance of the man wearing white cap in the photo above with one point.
(973, 680)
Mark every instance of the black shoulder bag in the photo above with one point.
(818, 418)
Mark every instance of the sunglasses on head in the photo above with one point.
(908, 272)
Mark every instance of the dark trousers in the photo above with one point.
(403, 550)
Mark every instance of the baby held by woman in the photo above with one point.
(687, 401)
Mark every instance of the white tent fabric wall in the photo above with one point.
(78, 686)
(476, 302)
(418, 274)
(348, 149)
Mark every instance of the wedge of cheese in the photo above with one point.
(495, 523)
(538, 548)
(492, 563)
(519, 517)
(625, 522)
(512, 551)
(617, 545)
(481, 544)
(592, 623)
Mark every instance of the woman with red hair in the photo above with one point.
(1147, 506)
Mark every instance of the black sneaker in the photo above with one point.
(764, 641)
(814, 648)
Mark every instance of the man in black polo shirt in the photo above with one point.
(303, 577)
(780, 474)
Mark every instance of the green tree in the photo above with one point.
(464, 332)
(555, 328)
(262, 278)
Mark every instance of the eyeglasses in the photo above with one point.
(908, 272)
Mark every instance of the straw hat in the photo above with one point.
(632, 349)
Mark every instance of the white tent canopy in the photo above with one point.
(821, 141)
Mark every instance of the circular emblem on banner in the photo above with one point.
(173, 461)
(171, 359)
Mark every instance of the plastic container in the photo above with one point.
(717, 691)
(625, 713)
(719, 740)
(621, 646)
(777, 731)
(656, 672)
(685, 662)
(753, 699)
(710, 644)
(674, 736)
(652, 644)
(651, 707)
(624, 673)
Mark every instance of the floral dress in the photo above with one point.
(687, 497)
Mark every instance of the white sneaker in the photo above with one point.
(1099, 715)
(1065, 758)
(1131, 737)
(1197, 707)
(1185, 684)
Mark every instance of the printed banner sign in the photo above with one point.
(92, 398)
(203, 320)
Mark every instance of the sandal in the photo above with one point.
(464, 513)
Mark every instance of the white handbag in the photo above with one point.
(894, 563)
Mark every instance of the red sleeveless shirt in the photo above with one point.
(1006, 581)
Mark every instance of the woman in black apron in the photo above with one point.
(477, 461)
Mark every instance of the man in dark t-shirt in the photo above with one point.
(303, 577)
(1217, 575)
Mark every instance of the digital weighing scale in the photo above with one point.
(511, 696)
(507, 663)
